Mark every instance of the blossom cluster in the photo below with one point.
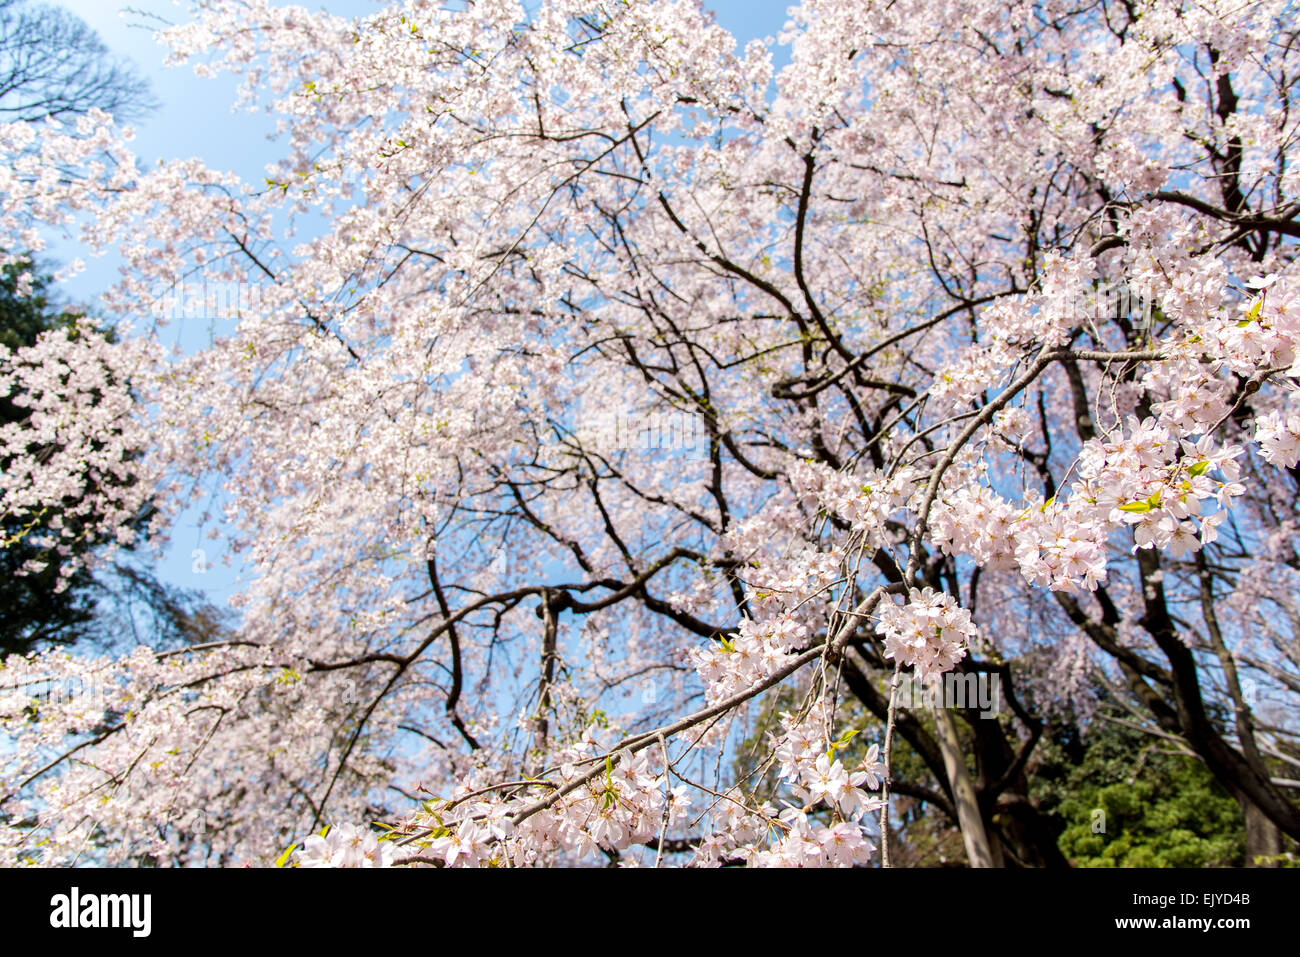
(1265, 331)
(73, 467)
(626, 803)
(758, 650)
(866, 500)
(345, 846)
(1278, 435)
(930, 632)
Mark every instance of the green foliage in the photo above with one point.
(1161, 809)
(101, 606)
(33, 613)
(24, 318)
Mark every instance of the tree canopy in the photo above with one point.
(604, 384)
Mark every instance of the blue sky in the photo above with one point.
(195, 119)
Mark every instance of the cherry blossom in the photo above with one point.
(921, 438)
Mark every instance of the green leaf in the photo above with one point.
(1200, 468)
(283, 859)
(1136, 507)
